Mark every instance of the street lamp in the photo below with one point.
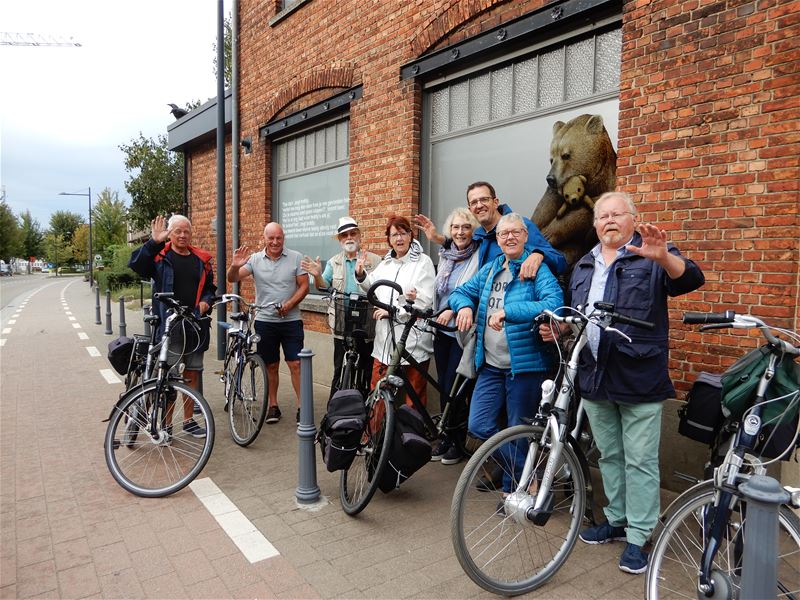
(91, 255)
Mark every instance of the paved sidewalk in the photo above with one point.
(68, 530)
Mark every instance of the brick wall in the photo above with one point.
(708, 141)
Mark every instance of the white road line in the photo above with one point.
(6, 330)
(250, 541)
(15, 315)
(109, 376)
(12, 321)
(68, 313)
(72, 318)
(93, 351)
(2, 341)
(77, 326)
(83, 336)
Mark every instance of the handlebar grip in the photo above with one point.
(694, 318)
(380, 283)
(441, 327)
(635, 322)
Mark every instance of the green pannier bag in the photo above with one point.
(740, 381)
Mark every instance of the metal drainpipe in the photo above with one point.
(221, 245)
(235, 147)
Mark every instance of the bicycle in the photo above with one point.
(358, 483)
(244, 374)
(698, 547)
(140, 367)
(511, 538)
(144, 452)
(353, 322)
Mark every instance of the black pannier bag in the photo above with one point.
(410, 449)
(701, 415)
(341, 429)
(119, 353)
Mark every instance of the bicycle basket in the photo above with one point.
(740, 381)
(353, 313)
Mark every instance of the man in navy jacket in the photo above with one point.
(624, 384)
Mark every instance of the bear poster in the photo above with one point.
(582, 167)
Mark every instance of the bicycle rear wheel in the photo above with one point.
(497, 545)
(163, 457)
(675, 559)
(247, 402)
(357, 483)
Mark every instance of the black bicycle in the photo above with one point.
(359, 482)
(149, 450)
(353, 323)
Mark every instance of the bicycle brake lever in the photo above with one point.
(615, 330)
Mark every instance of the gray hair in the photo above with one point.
(608, 195)
(511, 218)
(464, 214)
(175, 219)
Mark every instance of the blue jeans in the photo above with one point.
(520, 395)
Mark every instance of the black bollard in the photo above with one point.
(97, 319)
(109, 330)
(307, 491)
(123, 328)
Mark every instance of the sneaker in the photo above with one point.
(273, 415)
(490, 482)
(441, 449)
(602, 534)
(452, 456)
(193, 429)
(633, 560)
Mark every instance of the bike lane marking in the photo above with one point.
(250, 541)
(93, 351)
(83, 335)
(110, 376)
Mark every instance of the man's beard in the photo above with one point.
(350, 246)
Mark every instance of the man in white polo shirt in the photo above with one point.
(279, 278)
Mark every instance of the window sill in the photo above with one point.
(287, 11)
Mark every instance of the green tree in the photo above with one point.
(32, 238)
(9, 232)
(80, 245)
(56, 249)
(156, 183)
(110, 221)
(64, 223)
(227, 51)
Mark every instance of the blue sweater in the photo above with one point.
(523, 301)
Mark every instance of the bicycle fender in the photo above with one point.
(590, 509)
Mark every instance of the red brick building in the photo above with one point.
(366, 107)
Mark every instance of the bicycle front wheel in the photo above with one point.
(357, 483)
(675, 559)
(498, 546)
(247, 401)
(165, 455)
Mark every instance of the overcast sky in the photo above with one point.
(65, 111)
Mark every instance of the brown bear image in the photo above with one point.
(580, 147)
(574, 194)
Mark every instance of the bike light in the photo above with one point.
(255, 338)
(794, 496)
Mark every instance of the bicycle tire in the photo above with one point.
(358, 483)
(498, 548)
(675, 557)
(247, 400)
(156, 467)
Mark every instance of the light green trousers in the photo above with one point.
(628, 436)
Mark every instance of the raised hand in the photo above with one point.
(361, 260)
(240, 256)
(158, 229)
(654, 243)
(426, 226)
(311, 266)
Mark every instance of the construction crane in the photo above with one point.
(34, 39)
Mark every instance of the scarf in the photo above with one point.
(449, 255)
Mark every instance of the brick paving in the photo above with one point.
(67, 530)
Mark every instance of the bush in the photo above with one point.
(116, 273)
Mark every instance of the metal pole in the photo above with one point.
(759, 565)
(220, 217)
(235, 146)
(123, 328)
(141, 294)
(91, 252)
(108, 331)
(146, 312)
(307, 489)
(97, 318)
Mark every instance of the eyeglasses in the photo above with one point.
(465, 227)
(399, 234)
(515, 233)
(482, 200)
(608, 216)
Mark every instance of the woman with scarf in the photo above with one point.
(406, 264)
(458, 262)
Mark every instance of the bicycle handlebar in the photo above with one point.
(608, 308)
(695, 318)
(730, 320)
(426, 314)
(607, 311)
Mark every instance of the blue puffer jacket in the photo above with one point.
(636, 371)
(524, 300)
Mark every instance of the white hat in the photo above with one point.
(345, 224)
